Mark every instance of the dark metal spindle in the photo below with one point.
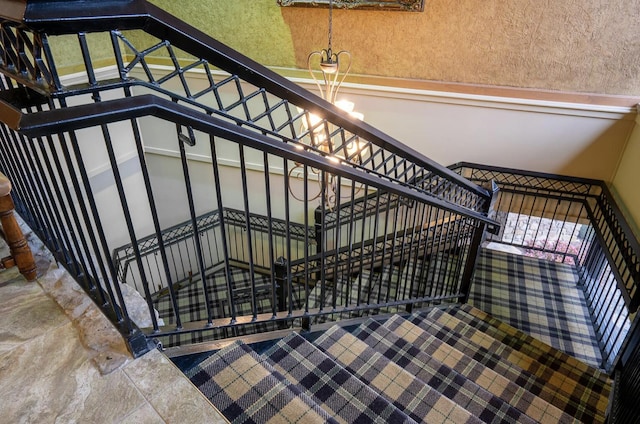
(249, 235)
(223, 228)
(195, 230)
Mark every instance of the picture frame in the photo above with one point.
(393, 5)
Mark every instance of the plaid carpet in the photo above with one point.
(191, 299)
(522, 378)
(191, 303)
(572, 396)
(439, 366)
(459, 389)
(538, 297)
(453, 365)
(366, 288)
(418, 400)
(494, 382)
(387, 285)
(532, 347)
(347, 398)
(246, 390)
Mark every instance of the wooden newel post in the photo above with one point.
(21, 255)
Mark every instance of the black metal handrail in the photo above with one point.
(78, 117)
(387, 156)
(33, 139)
(44, 123)
(181, 237)
(597, 240)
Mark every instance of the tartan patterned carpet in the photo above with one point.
(191, 301)
(538, 297)
(367, 287)
(453, 365)
(517, 395)
(385, 285)
(245, 389)
(466, 393)
(565, 392)
(420, 401)
(347, 398)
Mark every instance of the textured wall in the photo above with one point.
(585, 46)
(253, 27)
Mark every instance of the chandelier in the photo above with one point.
(334, 68)
(329, 66)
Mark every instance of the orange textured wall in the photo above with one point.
(582, 46)
(585, 46)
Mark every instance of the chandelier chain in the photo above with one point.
(330, 22)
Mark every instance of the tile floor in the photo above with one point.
(62, 361)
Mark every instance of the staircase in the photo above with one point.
(447, 365)
(394, 231)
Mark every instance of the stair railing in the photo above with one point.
(249, 95)
(87, 184)
(575, 221)
(72, 119)
(584, 227)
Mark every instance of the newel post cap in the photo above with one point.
(5, 185)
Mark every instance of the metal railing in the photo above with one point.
(244, 175)
(180, 245)
(574, 221)
(108, 206)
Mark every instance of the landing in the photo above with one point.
(539, 297)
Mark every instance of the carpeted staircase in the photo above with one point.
(454, 365)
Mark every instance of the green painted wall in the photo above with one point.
(68, 57)
(256, 28)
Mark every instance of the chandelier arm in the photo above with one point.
(333, 85)
(311, 55)
(327, 95)
(346, 72)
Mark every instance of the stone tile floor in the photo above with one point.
(62, 361)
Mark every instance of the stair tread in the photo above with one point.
(563, 376)
(543, 298)
(245, 389)
(579, 399)
(519, 397)
(414, 397)
(534, 348)
(497, 384)
(492, 361)
(331, 386)
(466, 393)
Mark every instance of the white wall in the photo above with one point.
(572, 139)
(560, 138)
(580, 140)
